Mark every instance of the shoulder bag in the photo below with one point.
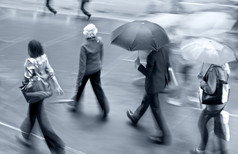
(36, 89)
(220, 95)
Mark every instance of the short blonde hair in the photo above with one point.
(90, 31)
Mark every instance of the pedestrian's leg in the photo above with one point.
(80, 91)
(202, 125)
(135, 117)
(55, 144)
(142, 108)
(49, 7)
(221, 134)
(153, 99)
(95, 80)
(84, 11)
(28, 123)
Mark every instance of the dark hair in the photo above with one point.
(35, 48)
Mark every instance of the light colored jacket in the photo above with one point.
(40, 64)
(215, 73)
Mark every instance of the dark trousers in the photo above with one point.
(37, 111)
(202, 125)
(152, 100)
(49, 7)
(83, 9)
(95, 80)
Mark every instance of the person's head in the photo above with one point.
(90, 31)
(35, 49)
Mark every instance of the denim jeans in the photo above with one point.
(37, 111)
(205, 116)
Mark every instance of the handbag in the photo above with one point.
(36, 89)
(220, 96)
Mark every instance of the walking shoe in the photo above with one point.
(131, 117)
(23, 140)
(89, 16)
(197, 151)
(160, 140)
(71, 105)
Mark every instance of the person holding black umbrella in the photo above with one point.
(157, 78)
(145, 35)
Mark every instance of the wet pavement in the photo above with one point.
(84, 132)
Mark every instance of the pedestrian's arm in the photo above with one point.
(29, 67)
(209, 87)
(149, 66)
(51, 76)
(82, 65)
(102, 53)
(102, 48)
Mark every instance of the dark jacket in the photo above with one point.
(91, 55)
(156, 71)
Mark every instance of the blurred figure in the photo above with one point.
(185, 93)
(49, 7)
(90, 65)
(82, 5)
(214, 74)
(38, 62)
(157, 78)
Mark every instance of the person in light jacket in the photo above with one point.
(39, 63)
(90, 65)
(208, 84)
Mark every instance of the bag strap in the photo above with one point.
(218, 79)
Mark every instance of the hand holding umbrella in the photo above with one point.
(137, 62)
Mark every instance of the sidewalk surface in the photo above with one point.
(83, 132)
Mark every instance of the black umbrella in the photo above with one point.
(140, 35)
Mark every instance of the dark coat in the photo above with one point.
(156, 71)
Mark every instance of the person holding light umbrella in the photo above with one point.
(214, 87)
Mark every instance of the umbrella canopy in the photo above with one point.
(205, 23)
(207, 51)
(140, 35)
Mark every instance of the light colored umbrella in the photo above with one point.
(165, 20)
(205, 23)
(206, 50)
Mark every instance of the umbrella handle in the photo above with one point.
(173, 76)
(200, 74)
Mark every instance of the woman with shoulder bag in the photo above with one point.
(210, 81)
(38, 64)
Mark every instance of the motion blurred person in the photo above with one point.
(82, 5)
(90, 65)
(213, 74)
(38, 63)
(49, 7)
(157, 78)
